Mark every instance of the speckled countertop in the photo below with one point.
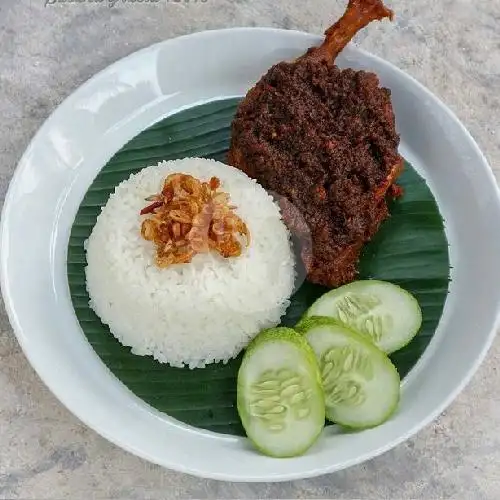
(451, 46)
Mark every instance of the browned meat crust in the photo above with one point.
(325, 140)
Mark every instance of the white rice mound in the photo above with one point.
(188, 314)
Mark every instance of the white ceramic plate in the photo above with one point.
(118, 103)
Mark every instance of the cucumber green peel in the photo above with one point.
(280, 399)
(384, 313)
(361, 385)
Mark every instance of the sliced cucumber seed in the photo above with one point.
(267, 384)
(290, 390)
(276, 427)
(300, 397)
(303, 413)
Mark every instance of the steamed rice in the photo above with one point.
(188, 314)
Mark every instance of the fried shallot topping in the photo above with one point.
(190, 217)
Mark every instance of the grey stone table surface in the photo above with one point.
(451, 46)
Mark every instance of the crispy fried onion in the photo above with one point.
(190, 217)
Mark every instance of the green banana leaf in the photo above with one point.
(410, 250)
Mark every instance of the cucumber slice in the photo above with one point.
(280, 399)
(383, 312)
(360, 383)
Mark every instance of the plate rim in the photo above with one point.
(18, 331)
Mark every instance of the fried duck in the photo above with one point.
(323, 139)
